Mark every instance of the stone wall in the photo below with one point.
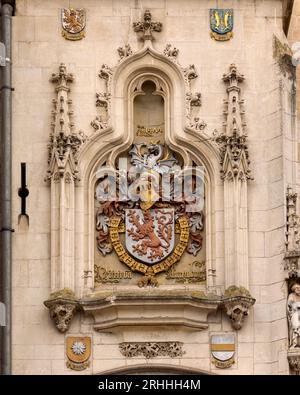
(38, 49)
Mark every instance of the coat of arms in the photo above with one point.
(144, 203)
(150, 235)
(221, 24)
(73, 23)
(222, 350)
(78, 352)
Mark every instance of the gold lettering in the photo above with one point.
(148, 132)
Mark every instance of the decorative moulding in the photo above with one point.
(113, 311)
(151, 349)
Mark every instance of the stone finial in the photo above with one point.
(233, 77)
(147, 26)
(64, 142)
(232, 141)
(62, 78)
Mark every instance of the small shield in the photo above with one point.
(150, 234)
(73, 23)
(221, 21)
(78, 348)
(223, 349)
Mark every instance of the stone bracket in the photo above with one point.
(236, 303)
(237, 308)
(294, 359)
(62, 307)
(112, 311)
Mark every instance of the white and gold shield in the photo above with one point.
(150, 234)
(223, 350)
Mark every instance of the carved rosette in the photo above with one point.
(62, 307)
(151, 349)
(237, 302)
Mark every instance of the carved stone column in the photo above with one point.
(62, 174)
(235, 173)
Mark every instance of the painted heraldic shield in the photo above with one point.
(73, 23)
(150, 235)
(221, 24)
(222, 350)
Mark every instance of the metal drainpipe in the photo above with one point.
(6, 229)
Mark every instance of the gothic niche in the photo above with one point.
(149, 112)
(149, 207)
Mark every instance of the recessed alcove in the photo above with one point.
(149, 118)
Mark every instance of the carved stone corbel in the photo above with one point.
(237, 302)
(294, 360)
(62, 307)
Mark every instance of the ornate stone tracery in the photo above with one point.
(151, 349)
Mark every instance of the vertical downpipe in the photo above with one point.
(6, 229)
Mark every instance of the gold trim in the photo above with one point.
(73, 36)
(223, 364)
(78, 366)
(221, 37)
